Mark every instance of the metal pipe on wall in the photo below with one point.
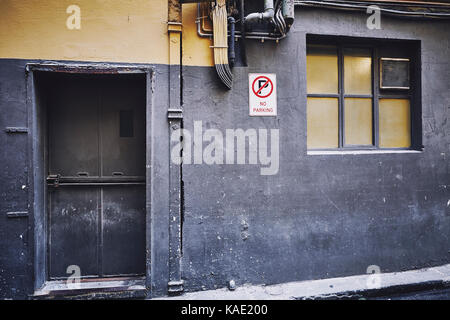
(288, 10)
(242, 23)
(238, 34)
(347, 6)
(267, 15)
(224, 47)
(231, 40)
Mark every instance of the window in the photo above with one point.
(361, 95)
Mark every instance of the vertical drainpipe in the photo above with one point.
(242, 23)
(288, 12)
(175, 117)
(231, 40)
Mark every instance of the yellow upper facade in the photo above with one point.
(131, 31)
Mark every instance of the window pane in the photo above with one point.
(394, 73)
(395, 123)
(358, 121)
(323, 123)
(322, 69)
(358, 72)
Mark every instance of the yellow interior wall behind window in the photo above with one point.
(358, 121)
(322, 70)
(357, 74)
(395, 123)
(323, 123)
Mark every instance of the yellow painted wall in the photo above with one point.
(111, 30)
(196, 50)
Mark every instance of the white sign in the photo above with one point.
(262, 94)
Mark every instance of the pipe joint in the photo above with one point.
(267, 15)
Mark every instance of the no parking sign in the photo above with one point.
(262, 94)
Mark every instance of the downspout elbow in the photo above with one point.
(268, 13)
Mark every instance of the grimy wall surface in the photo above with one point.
(320, 216)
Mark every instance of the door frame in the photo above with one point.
(37, 204)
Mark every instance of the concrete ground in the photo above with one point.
(430, 283)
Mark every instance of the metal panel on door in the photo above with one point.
(73, 227)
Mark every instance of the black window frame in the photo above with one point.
(376, 47)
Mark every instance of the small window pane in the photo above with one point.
(322, 70)
(126, 123)
(323, 123)
(394, 73)
(358, 72)
(395, 123)
(358, 121)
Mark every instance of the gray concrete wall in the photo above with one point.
(321, 215)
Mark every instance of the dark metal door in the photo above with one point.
(96, 176)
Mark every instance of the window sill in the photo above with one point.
(357, 152)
